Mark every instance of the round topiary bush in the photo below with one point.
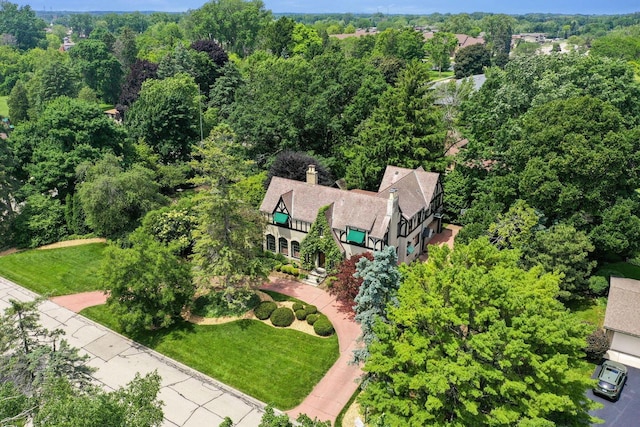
(282, 316)
(301, 314)
(323, 327)
(264, 309)
(311, 318)
(311, 309)
(297, 306)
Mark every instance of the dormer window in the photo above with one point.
(356, 236)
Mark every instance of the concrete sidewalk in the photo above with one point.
(335, 389)
(190, 398)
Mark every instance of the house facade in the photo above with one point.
(405, 213)
(622, 321)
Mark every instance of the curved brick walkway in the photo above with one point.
(80, 301)
(335, 389)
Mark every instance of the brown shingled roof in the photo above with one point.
(415, 188)
(349, 209)
(623, 306)
(363, 210)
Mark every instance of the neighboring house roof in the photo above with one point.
(363, 210)
(456, 147)
(623, 306)
(463, 39)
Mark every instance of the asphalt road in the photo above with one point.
(626, 411)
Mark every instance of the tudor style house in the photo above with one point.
(405, 213)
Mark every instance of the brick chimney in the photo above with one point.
(312, 175)
(393, 213)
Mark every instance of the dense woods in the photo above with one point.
(207, 106)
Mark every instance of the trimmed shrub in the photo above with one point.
(282, 316)
(297, 306)
(597, 345)
(289, 269)
(323, 327)
(311, 309)
(278, 267)
(598, 285)
(311, 318)
(264, 309)
(301, 314)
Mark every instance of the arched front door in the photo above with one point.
(321, 259)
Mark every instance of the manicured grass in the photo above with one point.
(278, 297)
(589, 310)
(53, 272)
(214, 304)
(4, 108)
(435, 75)
(620, 269)
(276, 366)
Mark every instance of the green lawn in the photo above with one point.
(276, 366)
(4, 108)
(53, 272)
(590, 310)
(620, 269)
(435, 75)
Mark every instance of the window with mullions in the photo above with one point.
(284, 246)
(295, 249)
(271, 243)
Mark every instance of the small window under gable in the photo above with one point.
(281, 218)
(356, 236)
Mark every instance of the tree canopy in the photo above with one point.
(476, 340)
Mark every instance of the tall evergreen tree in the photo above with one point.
(230, 231)
(380, 282)
(405, 130)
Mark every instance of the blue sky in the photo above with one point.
(360, 6)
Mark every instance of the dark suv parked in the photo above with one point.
(611, 379)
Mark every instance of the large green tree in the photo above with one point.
(498, 32)
(563, 250)
(303, 105)
(114, 199)
(100, 70)
(235, 24)
(406, 44)
(405, 130)
(471, 60)
(165, 116)
(230, 231)
(476, 340)
(45, 382)
(22, 26)
(148, 285)
(440, 48)
(67, 133)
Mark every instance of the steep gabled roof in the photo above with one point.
(416, 188)
(360, 209)
(349, 209)
(623, 306)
